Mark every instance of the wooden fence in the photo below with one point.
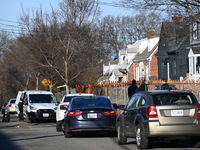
(117, 91)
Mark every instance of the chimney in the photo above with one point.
(177, 19)
(150, 33)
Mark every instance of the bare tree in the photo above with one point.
(120, 31)
(182, 7)
(66, 41)
(4, 40)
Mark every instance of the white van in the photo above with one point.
(37, 105)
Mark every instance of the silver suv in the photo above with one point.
(173, 115)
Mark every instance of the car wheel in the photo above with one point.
(67, 134)
(59, 126)
(28, 118)
(197, 144)
(141, 141)
(120, 135)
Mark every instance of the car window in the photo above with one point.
(87, 103)
(68, 98)
(133, 102)
(12, 101)
(25, 99)
(41, 98)
(141, 101)
(173, 99)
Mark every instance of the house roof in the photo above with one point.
(145, 54)
(134, 47)
(173, 36)
(120, 69)
(131, 48)
(196, 50)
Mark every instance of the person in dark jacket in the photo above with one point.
(143, 86)
(20, 106)
(132, 89)
(165, 86)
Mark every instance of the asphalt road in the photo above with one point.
(15, 135)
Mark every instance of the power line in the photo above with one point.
(8, 21)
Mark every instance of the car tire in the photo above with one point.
(197, 145)
(120, 135)
(59, 126)
(141, 141)
(28, 118)
(67, 134)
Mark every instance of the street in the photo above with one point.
(17, 135)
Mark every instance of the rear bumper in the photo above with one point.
(11, 110)
(153, 129)
(107, 126)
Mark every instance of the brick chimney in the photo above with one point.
(150, 33)
(177, 19)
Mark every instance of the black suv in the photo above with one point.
(163, 114)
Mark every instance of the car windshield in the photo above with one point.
(41, 98)
(91, 103)
(68, 98)
(173, 99)
(12, 101)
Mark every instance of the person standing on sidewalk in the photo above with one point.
(20, 105)
(132, 89)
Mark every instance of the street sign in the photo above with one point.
(46, 82)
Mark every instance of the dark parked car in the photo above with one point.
(166, 114)
(85, 114)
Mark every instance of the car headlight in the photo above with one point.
(32, 108)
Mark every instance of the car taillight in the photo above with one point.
(198, 110)
(63, 107)
(74, 113)
(151, 111)
(110, 113)
(10, 105)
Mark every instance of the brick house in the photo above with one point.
(144, 64)
(137, 61)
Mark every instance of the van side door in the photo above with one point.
(25, 102)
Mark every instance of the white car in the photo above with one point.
(62, 107)
(10, 107)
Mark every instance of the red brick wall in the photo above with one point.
(154, 67)
(131, 72)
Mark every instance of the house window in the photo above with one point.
(120, 79)
(174, 67)
(193, 64)
(194, 31)
(198, 65)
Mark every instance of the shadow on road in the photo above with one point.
(6, 143)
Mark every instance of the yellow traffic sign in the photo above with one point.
(46, 82)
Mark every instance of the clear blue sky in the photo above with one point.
(11, 10)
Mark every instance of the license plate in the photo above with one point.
(92, 115)
(45, 114)
(177, 112)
